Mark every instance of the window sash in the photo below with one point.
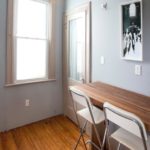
(48, 20)
(15, 61)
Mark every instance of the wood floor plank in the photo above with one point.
(57, 133)
(1, 142)
(7, 141)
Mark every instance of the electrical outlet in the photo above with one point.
(27, 102)
(138, 70)
(102, 60)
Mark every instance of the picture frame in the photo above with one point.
(131, 30)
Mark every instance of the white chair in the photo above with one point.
(132, 133)
(90, 114)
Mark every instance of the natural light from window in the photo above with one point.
(31, 36)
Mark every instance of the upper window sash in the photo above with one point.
(26, 23)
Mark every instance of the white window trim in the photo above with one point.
(10, 70)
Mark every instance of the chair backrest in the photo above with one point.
(80, 98)
(125, 120)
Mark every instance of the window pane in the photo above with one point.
(31, 59)
(77, 48)
(32, 19)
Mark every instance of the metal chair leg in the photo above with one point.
(107, 134)
(81, 136)
(118, 147)
(97, 135)
(104, 139)
(92, 143)
(84, 142)
(77, 142)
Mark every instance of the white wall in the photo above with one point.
(46, 98)
(106, 42)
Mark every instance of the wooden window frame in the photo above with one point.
(10, 70)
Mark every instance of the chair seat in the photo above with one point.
(129, 140)
(97, 114)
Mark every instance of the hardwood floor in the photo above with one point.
(57, 133)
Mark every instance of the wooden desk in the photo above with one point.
(133, 102)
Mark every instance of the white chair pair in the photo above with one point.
(90, 114)
(131, 133)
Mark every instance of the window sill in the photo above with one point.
(29, 82)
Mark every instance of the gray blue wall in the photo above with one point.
(106, 42)
(46, 98)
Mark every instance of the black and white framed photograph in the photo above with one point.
(131, 31)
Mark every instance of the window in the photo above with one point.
(77, 30)
(30, 47)
(77, 41)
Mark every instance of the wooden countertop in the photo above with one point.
(133, 102)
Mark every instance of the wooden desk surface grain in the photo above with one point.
(133, 102)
